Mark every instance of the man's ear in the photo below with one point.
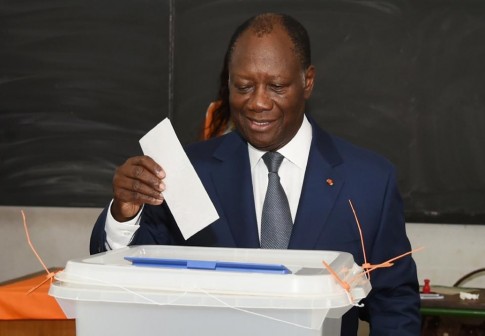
(309, 81)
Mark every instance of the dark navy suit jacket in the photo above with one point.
(324, 219)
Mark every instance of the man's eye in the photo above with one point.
(278, 88)
(243, 88)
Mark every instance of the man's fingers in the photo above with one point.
(136, 182)
(141, 176)
(135, 197)
(146, 163)
(123, 185)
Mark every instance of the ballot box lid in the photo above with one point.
(207, 276)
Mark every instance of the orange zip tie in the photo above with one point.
(342, 283)
(365, 265)
(387, 263)
(49, 275)
(346, 285)
(368, 267)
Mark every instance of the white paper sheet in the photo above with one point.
(186, 196)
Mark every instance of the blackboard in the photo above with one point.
(81, 81)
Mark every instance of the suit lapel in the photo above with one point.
(321, 187)
(233, 183)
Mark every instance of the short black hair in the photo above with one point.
(264, 24)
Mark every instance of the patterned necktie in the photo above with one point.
(276, 222)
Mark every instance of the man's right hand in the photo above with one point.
(139, 180)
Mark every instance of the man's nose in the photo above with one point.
(260, 100)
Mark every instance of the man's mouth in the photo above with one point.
(260, 123)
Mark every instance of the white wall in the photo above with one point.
(60, 234)
(451, 251)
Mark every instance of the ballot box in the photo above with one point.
(173, 290)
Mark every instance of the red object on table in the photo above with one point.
(426, 287)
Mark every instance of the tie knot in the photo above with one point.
(273, 161)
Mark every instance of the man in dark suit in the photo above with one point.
(269, 79)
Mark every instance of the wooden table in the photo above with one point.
(453, 315)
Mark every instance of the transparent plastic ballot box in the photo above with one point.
(174, 290)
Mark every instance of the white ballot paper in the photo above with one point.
(188, 200)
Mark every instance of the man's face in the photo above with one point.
(268, 89)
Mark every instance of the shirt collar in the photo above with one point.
(296, 150)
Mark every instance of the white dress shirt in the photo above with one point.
(291, 172)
